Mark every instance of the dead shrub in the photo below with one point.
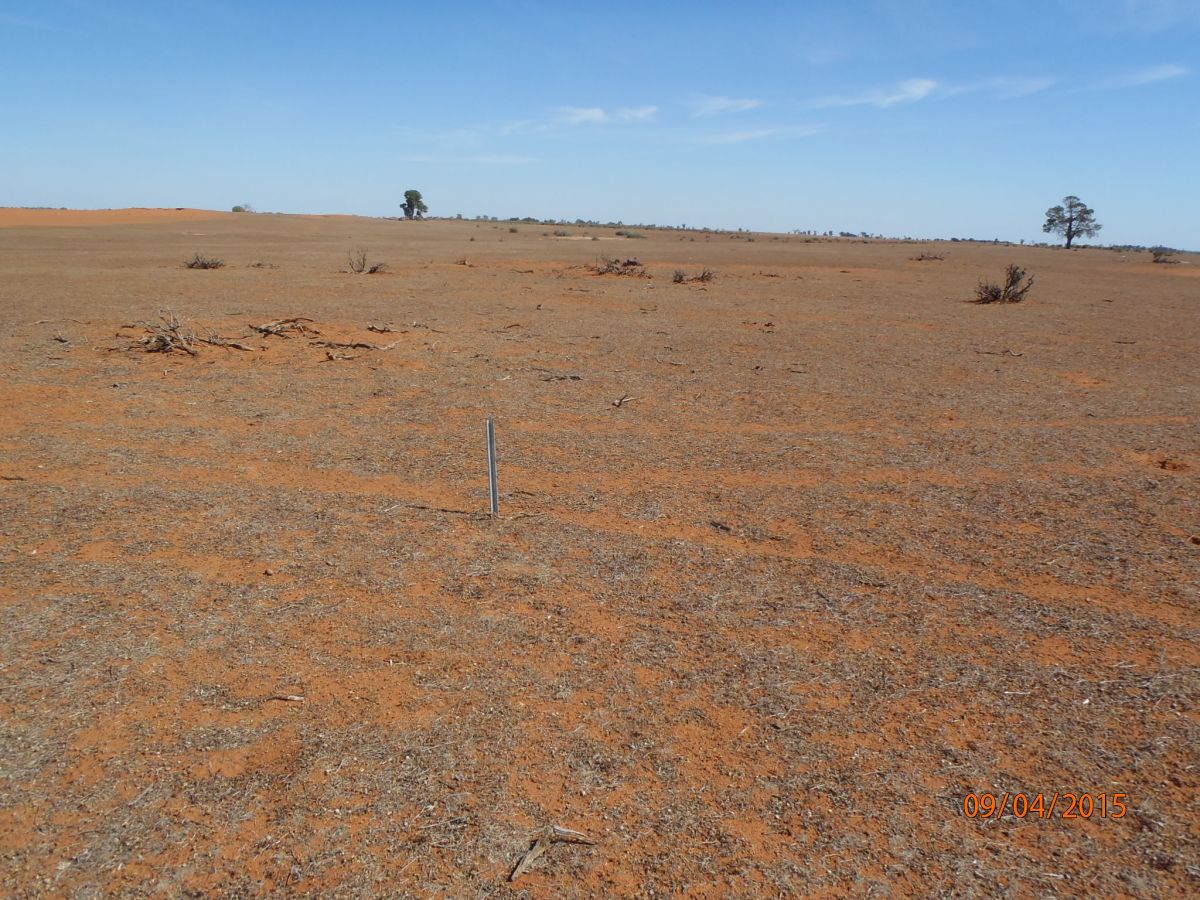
(1012, 291)
(1164, 256)
(705, 275)
(169, 334)
(357, 260)
(200, 261)
(610, 266)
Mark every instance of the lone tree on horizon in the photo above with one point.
(1072, 219)
(413, 205)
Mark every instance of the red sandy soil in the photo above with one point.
(854, 550)
(16, 217)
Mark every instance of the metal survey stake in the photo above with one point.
(493, 483)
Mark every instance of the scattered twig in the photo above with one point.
(623, 400)
(281, 327)
(287, 698)
(168, 336)
(428, 327)
(441, 509)
(353, 345)
(1004, 352)
(551, 834)
(13, 478)
(217, 341)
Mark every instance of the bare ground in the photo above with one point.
(853, 550)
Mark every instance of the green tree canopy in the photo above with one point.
(413, 205)
(1071, 219)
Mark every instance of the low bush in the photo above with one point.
(705, 275)
(357, 260)
(200, 261)
(1012, 291)
(610, 266)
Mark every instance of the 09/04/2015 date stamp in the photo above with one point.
(1065, 805)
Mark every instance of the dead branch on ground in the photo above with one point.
(281, 327)
(168, 335)
(352, 345)
(217, 341)
(551, 834)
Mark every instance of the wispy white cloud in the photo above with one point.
(637, 114)
(760, 134)
(483, 159)
(720, 106)
(582, 115)
(1005, 87)
(1146, 76)
(1009, 87)
(596, 115)
(909, 91)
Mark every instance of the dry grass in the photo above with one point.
(757, 632)
(200, 261)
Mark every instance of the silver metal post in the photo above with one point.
(493, 482)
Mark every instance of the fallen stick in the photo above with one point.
(352, 345)
(551, 834)
(281, 326)
(217, 341)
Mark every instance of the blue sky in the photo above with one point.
(929, 118)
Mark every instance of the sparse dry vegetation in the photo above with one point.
(703, 276)
(1012, 291)
(359, 265)
(200, 261)
(611, 266)
(784, 569)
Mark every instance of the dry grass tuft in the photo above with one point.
(200, 261)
